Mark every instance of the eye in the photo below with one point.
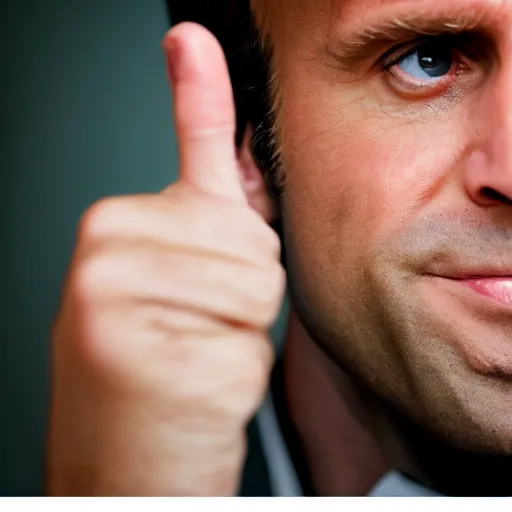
(437, 66)
(430, 61)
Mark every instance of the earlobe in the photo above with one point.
(253, 182)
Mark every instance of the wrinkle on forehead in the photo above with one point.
(347, 11)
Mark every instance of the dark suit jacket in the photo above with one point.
(255, 478)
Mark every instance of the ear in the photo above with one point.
(252, 180)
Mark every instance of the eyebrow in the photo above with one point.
(359, 43)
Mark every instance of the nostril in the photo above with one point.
(494, 195)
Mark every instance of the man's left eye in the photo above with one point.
(428, 62)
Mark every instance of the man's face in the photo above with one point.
(394, 119)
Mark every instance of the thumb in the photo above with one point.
(204, 111)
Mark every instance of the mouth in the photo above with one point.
(496, 288)
(490, 284)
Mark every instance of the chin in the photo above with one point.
(438, 356)
(452, 397)
(448, 360)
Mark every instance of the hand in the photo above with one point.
(160, 350)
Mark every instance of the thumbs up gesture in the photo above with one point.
(160, 354)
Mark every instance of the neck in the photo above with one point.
(331, 419)
(349, 439)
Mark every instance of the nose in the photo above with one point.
(488, 169)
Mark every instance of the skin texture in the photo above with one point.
(333, 418)
(390, 187)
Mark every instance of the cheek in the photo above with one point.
(355, 175)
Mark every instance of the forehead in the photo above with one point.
(317, 20)
(352, 10)
(368, 7)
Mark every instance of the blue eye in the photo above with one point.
(432, 60)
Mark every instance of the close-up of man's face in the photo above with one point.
(392, 121)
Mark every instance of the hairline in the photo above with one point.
(266, 19)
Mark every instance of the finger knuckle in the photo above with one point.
(110, 216)
(263, 234)
(94, 275)
(269, 294)
(228, 379)
(98, 217)
(253, 373)
(258, 368)
(272, 241)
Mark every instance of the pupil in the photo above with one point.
(435, 59)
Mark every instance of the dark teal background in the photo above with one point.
(85, 113)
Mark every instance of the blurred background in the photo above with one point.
(85, 112)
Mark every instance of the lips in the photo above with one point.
(495, 283)
(497, 288)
